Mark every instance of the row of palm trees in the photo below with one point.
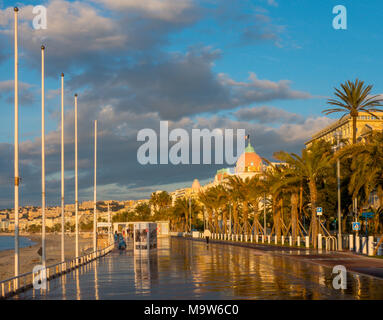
(288, 194)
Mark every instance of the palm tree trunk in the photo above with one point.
(294, 215)
(235, 217)
(216, 221)
(245, 216)
(354, 129)
(313, 200)
(276, 218)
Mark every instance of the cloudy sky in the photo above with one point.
(266, 66)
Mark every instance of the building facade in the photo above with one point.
(365, 124)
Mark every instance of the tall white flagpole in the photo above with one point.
(95, 189)
(17, 179)
(43, 155)
(76, 173)
(62, 172)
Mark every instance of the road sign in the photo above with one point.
(319, 211)
(356, 226)
(367, 214)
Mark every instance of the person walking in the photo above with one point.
(207, 235)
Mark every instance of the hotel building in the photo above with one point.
(365, 124)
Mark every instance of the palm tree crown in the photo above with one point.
(354, 97)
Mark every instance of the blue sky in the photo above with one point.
(135, 63)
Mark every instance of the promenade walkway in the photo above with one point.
(353, 262)
(184, 269)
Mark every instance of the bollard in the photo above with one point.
(251, 238)
(246, 238)
(269, 239)
(307, 238)
(319, 241)
(263, 239)
(276, 239)
(364, 245)
(290, 241)
(256, 238)
(241, 237)
(370, 245)
(380, 249)
(298, 241)
(283, 240)
(351, 242)
(357, 244)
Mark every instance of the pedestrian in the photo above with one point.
(207, 235)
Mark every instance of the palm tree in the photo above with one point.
(206, 200)
(233, 186)
(241, 189)
(160, 202)
(354, 97)
(291, 184)
(182, 208)
(309, 167)
(367, 169)
(218, 200)
(272, 177)
(256, 193)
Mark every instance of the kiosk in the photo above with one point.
(145, 237)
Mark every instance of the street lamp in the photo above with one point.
(338, 135)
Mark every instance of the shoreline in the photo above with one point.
(29, 258)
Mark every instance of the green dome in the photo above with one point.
(249, 148)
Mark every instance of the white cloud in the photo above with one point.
(168, 10)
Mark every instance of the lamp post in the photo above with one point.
(190, 215)
(109, 226)
(76, 175)
(338, 136)
(16, 151)
(95, 190)
(62, 172)
(43, 155)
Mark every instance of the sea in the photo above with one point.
(8, 242)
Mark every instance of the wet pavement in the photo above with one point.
(184, 269)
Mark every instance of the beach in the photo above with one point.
(29, 257)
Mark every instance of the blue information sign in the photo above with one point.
(367, 214)
(356, 226)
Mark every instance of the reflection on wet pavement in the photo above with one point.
(183, 269)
